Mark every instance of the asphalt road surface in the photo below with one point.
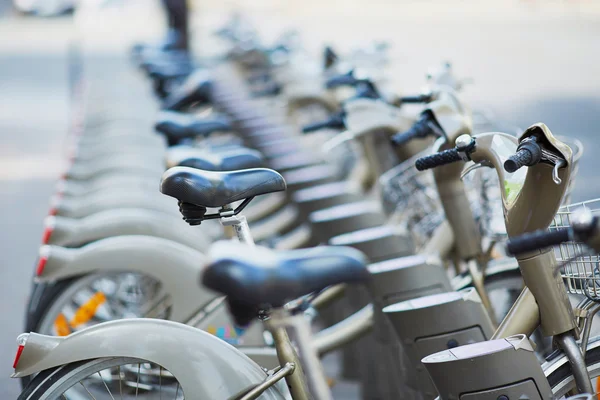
(530, 63)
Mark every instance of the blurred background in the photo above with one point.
(530, 61)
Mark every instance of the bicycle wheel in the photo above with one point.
(104, 379)
(503, 285)
(81, 302)
(60, 308)
(559, 375)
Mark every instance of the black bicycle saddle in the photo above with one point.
(211, 189)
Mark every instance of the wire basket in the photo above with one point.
(411, 196)
(580, 269)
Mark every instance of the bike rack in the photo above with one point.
(429, 324)
(497, 369)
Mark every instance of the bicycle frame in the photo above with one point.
(544, 301)
(537, 269)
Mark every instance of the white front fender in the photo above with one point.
(206, 367)
(80, 207)
(74, 232)
(175, 266)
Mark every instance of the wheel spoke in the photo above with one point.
(106, 386)
(84, 382)
(86, 389)
(120, 383)
(137, 384)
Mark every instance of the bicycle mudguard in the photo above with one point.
(89, 170)
(206, 367)
(265, 205)
(298, 96)
(72, 232)
(80, 207)
(68, 188)
(175, 266)
(280, 221)
(368, 115)
(94, 165)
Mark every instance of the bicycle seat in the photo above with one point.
(257, 276)
(175, 40)
(162, 76)
(177, 126)
(227, 160)
(197, 88)
(169, 71)
(162, 59)
(213, 189)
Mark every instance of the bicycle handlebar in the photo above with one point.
(528, 153)
(438, 159)
(420, 129)
(418, 99)
(336, 121)
(538, 240)
(341, 80)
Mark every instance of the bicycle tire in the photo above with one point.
(59, 378)
(559, 374)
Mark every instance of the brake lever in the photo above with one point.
(557, 162)
(555, 176)
(472, 168)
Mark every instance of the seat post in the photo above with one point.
(239, 223)
(300, 329)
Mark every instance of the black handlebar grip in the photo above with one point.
(422, 98)
(438, 159)
(270, 90)
(316, 126)
(400, 139)
(520, 159)
(341, 80)
(537, 240)
(420, 129)
(336, 121)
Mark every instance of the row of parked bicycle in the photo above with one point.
(380, 222)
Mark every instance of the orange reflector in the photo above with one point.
(61, 325)
(87, 310)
